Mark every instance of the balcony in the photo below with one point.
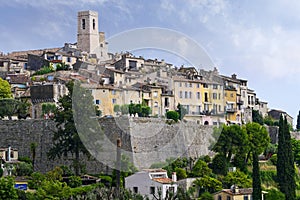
(240, 102)
(230, 110)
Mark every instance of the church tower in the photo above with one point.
(88, 34)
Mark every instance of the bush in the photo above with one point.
(181, 173)
(74, 181)
(274, 194)
(172, 115)
(273, 159)
(24, 169)
(206, 196)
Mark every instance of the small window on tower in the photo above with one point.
(83, 23)
(94, 24)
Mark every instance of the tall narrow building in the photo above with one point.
(89, 39)
(88, 33)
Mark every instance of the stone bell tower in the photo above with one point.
(88, 32)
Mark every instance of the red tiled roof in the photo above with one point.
(163, 180)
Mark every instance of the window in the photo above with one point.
(215, 86)
(220, 108)
(219, 197)
(83, 24)
(113, 92)
(185, 84)
(219, 96)
(135, 189)
(198, 85)
(180, 84)
(180, 94)
(228, 198)
(155, 94)
(191, 85)
(186, 94)
(97, 101)
(68, 59)
(190, 95)
(206, 97)
(198, 95)
(152, 190)
(132, 64)
(94, 24)
(205, 85)
(114, 101)
(215, 96)
(246, 197)
(155, 104)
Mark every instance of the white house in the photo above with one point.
(150, 182)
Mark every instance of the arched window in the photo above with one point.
(94, 24)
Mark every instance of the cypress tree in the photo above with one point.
(298, 121)
(256, 178)
(285, 161)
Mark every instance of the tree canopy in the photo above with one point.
(285, 161)
(66, 139)
(5, 91)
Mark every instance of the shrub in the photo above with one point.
(181, 173)
(74, 181)
(24, 169)
(273, 159)
(172, 115)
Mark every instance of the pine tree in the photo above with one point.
(285, 162)
(298, 121)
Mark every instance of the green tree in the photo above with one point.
(219, 164)
(233, 140)
(296, 150)
(237, 178)
(172, 115)
(124, 109)
(181, 111)
(117, 108)
(8, 107)
(256, 117)
(258, 140)
(298, 121)
(5, 91)
(74, 181)
(206, 196)
(24, 169)
(285, 161)
(181, 173)
(201, 169)
(7, 190)
(66, 139)
(208, 184)
(274, 194)
(48, 108)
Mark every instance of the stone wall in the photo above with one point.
(144, 140)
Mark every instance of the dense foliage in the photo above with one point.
(5, 91)
(172, 115)
(66, 139)
(285, 161)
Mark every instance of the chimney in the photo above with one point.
(9, 152)
(233, 76)
(174, 177)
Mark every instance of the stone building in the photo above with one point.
(88, 37)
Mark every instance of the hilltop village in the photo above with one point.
(145, 91)
(117, 79)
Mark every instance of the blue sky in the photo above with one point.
(257, 40)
